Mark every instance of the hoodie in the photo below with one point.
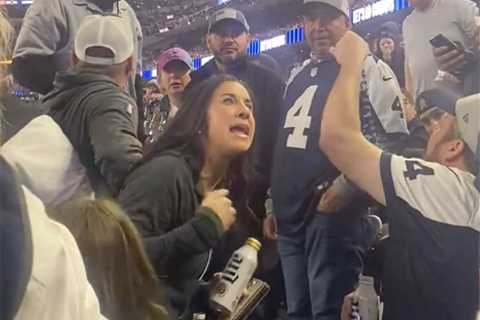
(100, 120)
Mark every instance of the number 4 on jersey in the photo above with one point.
(298, 119)
(416, 168)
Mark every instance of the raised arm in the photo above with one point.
(340, 136)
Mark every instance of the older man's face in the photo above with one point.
(324, 27)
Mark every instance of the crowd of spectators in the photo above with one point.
(163, 16)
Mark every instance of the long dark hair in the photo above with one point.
(115, 260)
(184, 135)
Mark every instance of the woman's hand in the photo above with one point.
(222, 206)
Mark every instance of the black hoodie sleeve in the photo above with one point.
(160, 199)
(112, 128)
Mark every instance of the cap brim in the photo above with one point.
(440, 98)
(177, 60)
(216, 24)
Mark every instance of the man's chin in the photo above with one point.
(228, 58)
(320, 51)
(176, 91)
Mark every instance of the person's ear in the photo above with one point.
(249, 37)
(454, 150)
(129, 66)
(348, 22)
(163, 91)
(208, 41)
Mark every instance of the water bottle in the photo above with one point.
(365, 300)
(227, 292)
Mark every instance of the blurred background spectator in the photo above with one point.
(390, 50)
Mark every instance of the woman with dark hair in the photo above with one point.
(178, 197)
(116, 264)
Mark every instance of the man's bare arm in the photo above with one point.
(341, 138)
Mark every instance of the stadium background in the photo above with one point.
(275, 25)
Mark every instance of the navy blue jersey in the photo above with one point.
(299, 164)
(431, 263)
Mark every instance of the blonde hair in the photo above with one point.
(6, 41)
(117, 266)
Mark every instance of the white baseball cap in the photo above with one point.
(467, 112)
(110, 32)
(341, 5)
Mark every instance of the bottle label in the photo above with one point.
(231, 271)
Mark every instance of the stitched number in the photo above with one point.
(415, 168)
(298, 119)
(397, 106)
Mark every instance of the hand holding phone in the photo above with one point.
(450, 56)
(441, 41)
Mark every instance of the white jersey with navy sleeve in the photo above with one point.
(431, 263)
(385, 95)
(442, 194)
(381, 110)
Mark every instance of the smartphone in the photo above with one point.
(441, 41)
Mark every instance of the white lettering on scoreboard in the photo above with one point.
(373, 10)
(272, 43)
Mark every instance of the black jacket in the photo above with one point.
(162, 200)
(100, 120)
(268, 89)
(17, 114)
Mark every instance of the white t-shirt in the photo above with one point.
(455, 19)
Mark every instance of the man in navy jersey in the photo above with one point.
(322, 254)
(431, 265)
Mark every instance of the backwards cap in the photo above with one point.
(109, 32)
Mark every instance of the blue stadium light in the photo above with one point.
(254, 47)
(401, 4)
(197, 63)
(147, 74)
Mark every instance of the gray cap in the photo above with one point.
(466, 110)
(228, 14)
(341, 5)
